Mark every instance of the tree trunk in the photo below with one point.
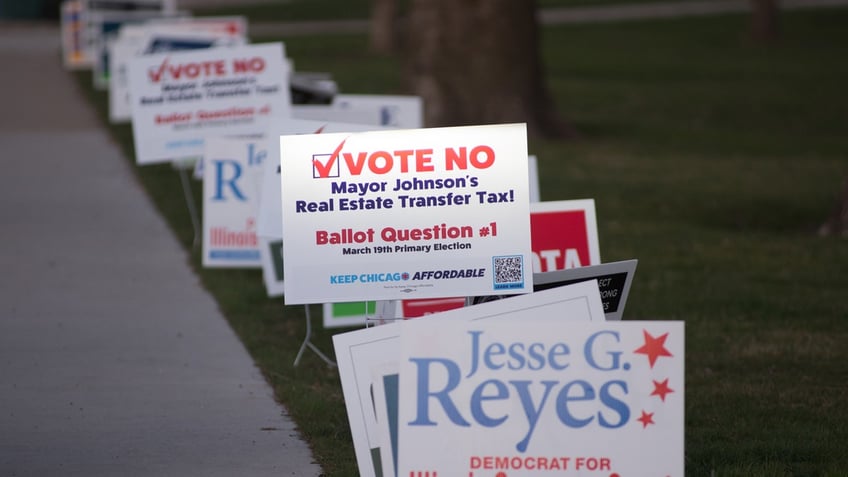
(837, 223)
(384, 18)
(764, 27)
(478, 62)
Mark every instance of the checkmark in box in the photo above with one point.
(324, 166)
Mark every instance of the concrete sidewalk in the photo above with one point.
(113, 359)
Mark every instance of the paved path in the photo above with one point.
(113, 360)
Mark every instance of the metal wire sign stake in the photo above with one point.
(307, 342)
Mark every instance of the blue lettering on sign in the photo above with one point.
(368, 278)
(577, 402)
(227, 180)
(615, 404)
(614, 363)
(255, 158)
(234, 254)
(442, 396)
(385, 116)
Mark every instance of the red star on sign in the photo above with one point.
(661, 389)
(647, 418)
(653, 347)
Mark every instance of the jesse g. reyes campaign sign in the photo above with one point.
(537, 398)
(416, 213)
(180, 98)
(358, 352)
(564, 235)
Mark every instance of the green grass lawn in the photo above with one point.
(300, 10)
(713, 161)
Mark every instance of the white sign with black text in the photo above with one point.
(180, 98)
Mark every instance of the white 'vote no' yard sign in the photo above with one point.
(180, 98)
(418, 213)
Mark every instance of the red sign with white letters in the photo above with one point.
(564, 235)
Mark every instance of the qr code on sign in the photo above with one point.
(509, 272)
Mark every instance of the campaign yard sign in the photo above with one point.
(271, 258)
(385, 382)
(359, 353)
(537, 398)
(533, 170)
(270, 226)
(180, 98)
(614, 280)
(565, 234)
(424, 306)
(347, 314)
(74, 53)
(94, 12)
(358, 313)
(393, 111)
(230, 200)
(326, 112)
(415, 213)
(107, 27)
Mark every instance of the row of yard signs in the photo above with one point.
(82, 25)
(522, 365)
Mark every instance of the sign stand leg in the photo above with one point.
(192, 208)
(367, 318)
(307, 342)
